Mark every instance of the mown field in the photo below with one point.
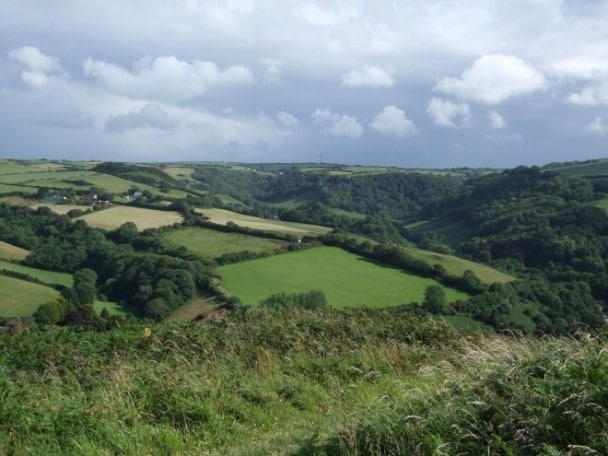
(20, 298)
(12, 252)
(222, 217)
(208, 243)
(59, 278)
(346, 279)
(113, 217)
(457, 266)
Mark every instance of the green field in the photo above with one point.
(595, 168)
(19, 298)
(209, 243)
(345, 278)
(52, 277)
(12, 252)
(457, 266)
(5, 189)
(112, 218)
(222, 217)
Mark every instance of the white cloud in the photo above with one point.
(594, 94)
(597, 125)
(165, 78)
(392, 121)
(288, 119)
(34, 60)
(493, 79)
(149, 116)
(497, 121)
(370, 76)
(338, 124)
(39, 67)
(448, 114)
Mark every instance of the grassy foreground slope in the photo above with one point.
(334, 382)
(345, 278)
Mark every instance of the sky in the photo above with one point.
(411, 83)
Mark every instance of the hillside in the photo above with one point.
(329, 382)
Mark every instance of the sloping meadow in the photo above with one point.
(335, 381)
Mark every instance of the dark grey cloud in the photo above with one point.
(150, 116)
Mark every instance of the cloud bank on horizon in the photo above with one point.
(417, 84)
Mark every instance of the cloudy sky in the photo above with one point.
(412, 83)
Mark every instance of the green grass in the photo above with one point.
(112, 218)
(52, 277)
(12, 252)
(345, 278)
(457, 266)
(333, 382)
(222, 217)
(112, 307)
(208, 243)
(19, 298)
(5, 189)
(596, 168)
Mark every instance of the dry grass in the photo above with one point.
(12, 252)
(112, 218)
(197, 307)
(222, 217)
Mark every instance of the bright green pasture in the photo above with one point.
(12, 252)
(345, 278)
(44, 178)
(10, 167)
(457, 266)
(603, 203)
(222, 217)
(210, 243)
(59, 278)
(19, 298)
(112, 218)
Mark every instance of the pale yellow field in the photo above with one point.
(112, 218)
(12, 252)
(222, 217)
